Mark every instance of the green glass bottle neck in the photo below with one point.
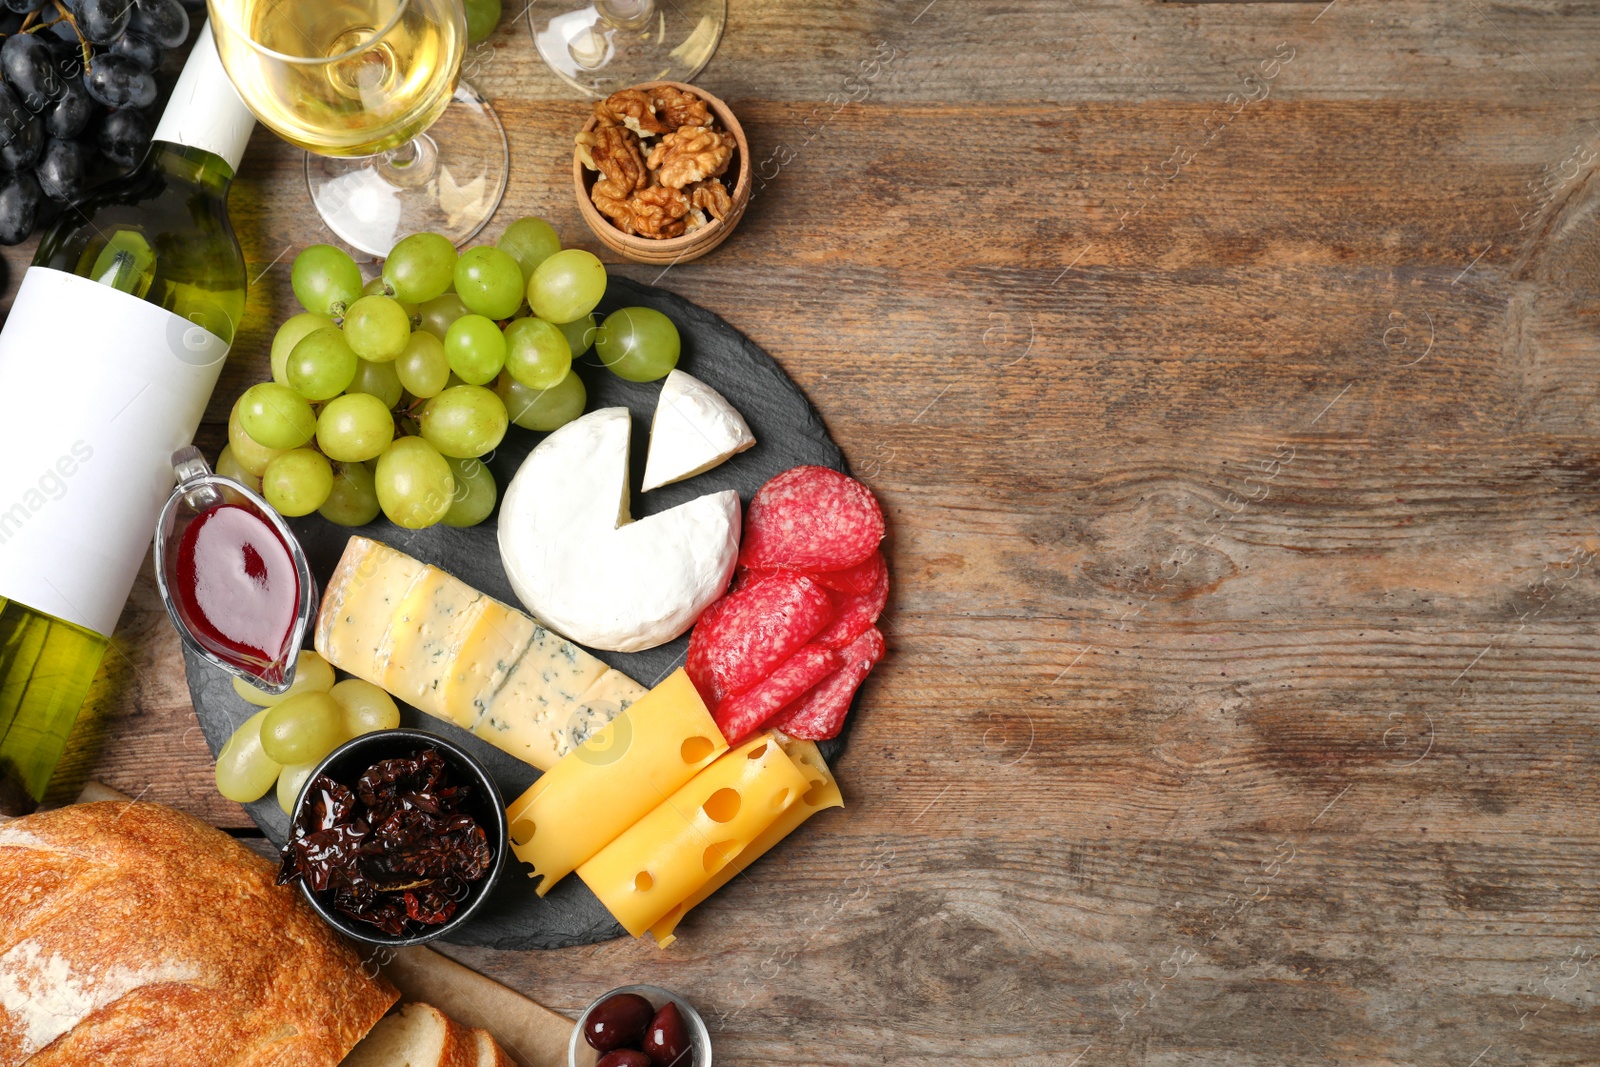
(193, 166)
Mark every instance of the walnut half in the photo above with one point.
(691, 154)
(654, 212)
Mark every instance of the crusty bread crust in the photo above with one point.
(489, 1053)
(135, 935)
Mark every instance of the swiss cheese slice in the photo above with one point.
(613, 779)
(674, 851)
(821, 792)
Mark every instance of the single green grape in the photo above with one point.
(325, 280)
(365, 706)
(414, 483)
(353, 501)
(543, 409)
(303, 729)
(250, 454)
(377, 379)
(423, 368)
(490, 283)
(312, 674)
(537, 353)
(475, 492)
(228, 466)
(530, 241)
(422, 266)
(464, 421)
(377, 287)
(275, 416)
(567, 286)
(476, 349)
(290, 781)
(482, 18)
(437, 314)
(289, 335)
(377, 328)
(638, 344)
(354, 427)
(580, 333)
(297, 482)
(322, 365)
(244, 770)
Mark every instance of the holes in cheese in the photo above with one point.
(722, 805)
(781, 800)
(522, 831)
(679, 843)
(606, 785)
(642, 882)
(696, 749)
(822, 792)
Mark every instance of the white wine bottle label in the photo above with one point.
(100, 389)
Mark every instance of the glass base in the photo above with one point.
(448, 181)
(612, 44)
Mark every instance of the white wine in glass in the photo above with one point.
(605, 45)
(396, 143)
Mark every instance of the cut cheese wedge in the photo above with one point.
(442, 646)
(694, 429)
(584, 569)
(675, 850)
(821, 792)
(613, 779)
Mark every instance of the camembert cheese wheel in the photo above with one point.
(613, 779)
(690, 838)
(821, 792)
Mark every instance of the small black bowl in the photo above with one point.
(350, 760)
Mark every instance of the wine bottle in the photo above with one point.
(108, 358)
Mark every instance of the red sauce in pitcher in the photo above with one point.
(237, 585)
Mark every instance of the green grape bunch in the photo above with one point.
(387, 393)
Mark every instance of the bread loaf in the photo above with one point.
(135, 935)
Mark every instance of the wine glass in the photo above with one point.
(396, 143)
(606, 45)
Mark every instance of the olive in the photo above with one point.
(617, 1021)
(624, 1057)
(666, 1039)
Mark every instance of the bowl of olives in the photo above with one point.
(640, 1026)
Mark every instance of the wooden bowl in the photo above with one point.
(690, 245)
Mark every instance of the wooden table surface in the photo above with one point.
(1229, 374)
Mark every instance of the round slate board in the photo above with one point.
(788, 433)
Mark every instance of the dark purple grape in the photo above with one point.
(617, 1021)
(60, 172)
(10, 22)
(103, 21)
(22, 7)
(19, 208)
(116, 82)
(24, 150)
(29, 66)
(124, 136)
(13, 116)
(70, 114)
(163, 21)
(145, 53)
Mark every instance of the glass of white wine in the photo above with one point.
(600, 46)
(397, 143)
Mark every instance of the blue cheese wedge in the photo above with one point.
(531, 715)
(694, 429)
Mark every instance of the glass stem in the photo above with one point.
(412, 165)
(626, 14)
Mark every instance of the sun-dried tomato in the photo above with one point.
(396, 849)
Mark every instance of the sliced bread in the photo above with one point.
(489, 1053)
(418, 1035)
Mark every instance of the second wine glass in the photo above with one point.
(396, 142)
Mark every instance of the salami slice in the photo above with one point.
(820, 713)
(862, 578)
(854, 612)
(740, 716)
(811, 519)
(743, 637)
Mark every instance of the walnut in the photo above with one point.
(675, 108)
(710, 196)
(630, 108)
(614, 152)
(654, 212)
(691, 154)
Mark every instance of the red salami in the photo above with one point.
(811, 519)
(862, 578)
(740, 716)
(854, 612)
(746, 635)
(819, 714)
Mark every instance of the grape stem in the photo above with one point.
(83, 42)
